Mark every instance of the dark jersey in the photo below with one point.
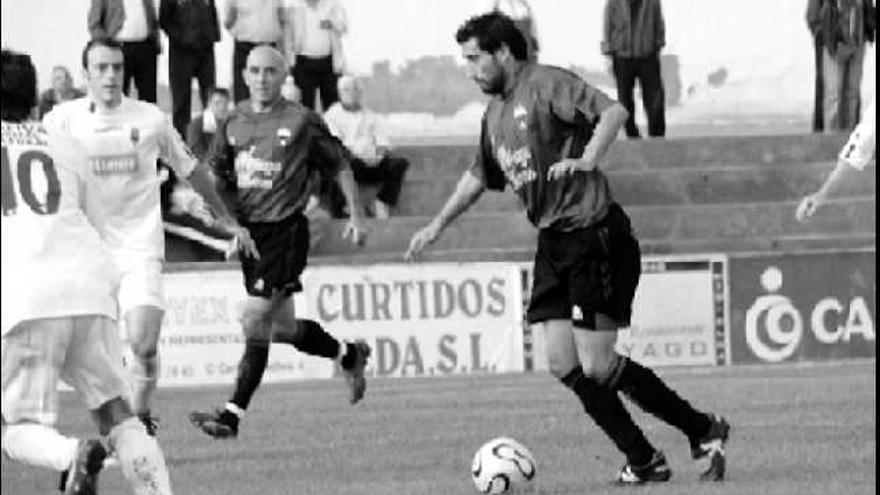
(273, 159)
(549, 115)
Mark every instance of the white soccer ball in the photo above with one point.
(503, 465)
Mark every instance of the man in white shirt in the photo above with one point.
(59, 312)
(858, 152)
(251, 23)
(123, 139)
(314, 48)
(134, 24)
(361, 132)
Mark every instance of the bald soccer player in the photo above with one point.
(264, 157)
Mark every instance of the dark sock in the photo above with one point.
(311, 338)
(649, 392)
(607, 410)
(250, 372)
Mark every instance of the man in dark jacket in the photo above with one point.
(192, 29)
(634, 34)
(842, 28)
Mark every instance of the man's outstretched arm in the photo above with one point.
(466, 193)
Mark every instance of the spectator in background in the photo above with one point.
(843, 27)
(192, 29)
(360, 130)
(521, 13)
(200, 131)
(132, 23)
(62, 90)
(252, 23)
(818, 94)
(314, 48)
(634, 34)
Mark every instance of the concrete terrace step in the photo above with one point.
(778, 244)
(430, 160)
(665, 224)
(674, 186)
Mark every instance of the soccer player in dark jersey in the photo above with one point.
(545, 132)
(264, 156)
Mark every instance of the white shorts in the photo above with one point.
(141, 283)
(83, 351)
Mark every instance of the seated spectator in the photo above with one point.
(200, 131)
(359, 129)
(62, 90)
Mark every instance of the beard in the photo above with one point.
(491, 86)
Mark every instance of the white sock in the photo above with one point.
(39, 445)
(140, 458)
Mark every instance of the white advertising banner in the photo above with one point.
(420, 320)
(679, 314)
(424, 320)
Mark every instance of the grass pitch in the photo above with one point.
(797, 429)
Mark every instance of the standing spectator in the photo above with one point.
(251, 23)
(133, 23)
(634, 33)
(359, 130)
(843, 27)
(62, 90)
(192, 29)
(818, 94)
(521, 13)
(200, 132)
(314, 49)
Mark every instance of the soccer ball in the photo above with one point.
(502, 465)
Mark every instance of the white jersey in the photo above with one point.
(862, 144)
(123, 145)
(54, 262)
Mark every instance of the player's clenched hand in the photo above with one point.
(808, 207)
(355, 231)
(568, 166)
(420, 240)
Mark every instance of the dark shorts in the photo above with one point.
(284, 249)
(584, 272)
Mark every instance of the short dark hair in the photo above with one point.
(19, 86)
(218, 91)
(492, 30)
(108, 42)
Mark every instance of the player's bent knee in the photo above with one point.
(256, 325)
(110, 414)
(598, 367)
(144, 350)
(559, 366)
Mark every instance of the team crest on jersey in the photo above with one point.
(284, 136)
(135, 136)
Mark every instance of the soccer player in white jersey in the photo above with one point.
(855, 155)
(123, 138)
(59, 312)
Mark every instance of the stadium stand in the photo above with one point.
(716, 194)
